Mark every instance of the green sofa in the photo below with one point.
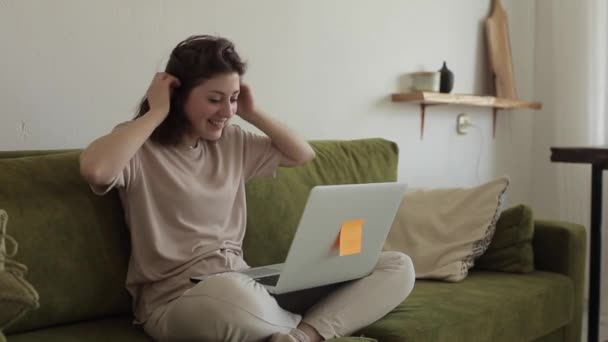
(76, 246)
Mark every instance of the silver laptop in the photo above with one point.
(314, 256)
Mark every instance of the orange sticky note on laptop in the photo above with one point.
(350, 237)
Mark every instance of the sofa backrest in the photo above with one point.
(274, 206)
(74, 243)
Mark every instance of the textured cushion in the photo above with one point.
(75, 243)
(486, 306)
(445, 230)
(17, 296)
(274, 206)
(511, 246)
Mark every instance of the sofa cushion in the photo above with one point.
(274, 206)
(486, 306)
(511, 247)
(104, 330)
(75, 243)
(109, 329)
(555, 335)
(444, 230)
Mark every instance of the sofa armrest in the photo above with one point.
(561, 247)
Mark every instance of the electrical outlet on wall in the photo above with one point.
(463, 122)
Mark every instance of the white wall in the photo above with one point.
(562, 84)
(71, 69)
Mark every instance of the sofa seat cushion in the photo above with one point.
(487, 306)
(105, 330)
(110, 329)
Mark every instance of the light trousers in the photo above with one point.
(233, 307)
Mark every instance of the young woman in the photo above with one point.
(180, 168)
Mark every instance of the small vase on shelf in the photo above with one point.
(446, 82)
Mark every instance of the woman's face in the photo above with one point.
(210, 106)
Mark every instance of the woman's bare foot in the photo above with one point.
(312, 333)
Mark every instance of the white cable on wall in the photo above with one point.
(481, 144)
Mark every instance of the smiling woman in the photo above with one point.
(180, 168)
(194, 62)
(210, 105)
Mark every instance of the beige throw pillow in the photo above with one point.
(445, 230)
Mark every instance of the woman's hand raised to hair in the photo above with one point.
(246, 105)
(295, 150)
(107, 156)
(159, 93)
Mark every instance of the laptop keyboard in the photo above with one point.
(269, 280)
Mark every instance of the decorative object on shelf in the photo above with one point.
(499, 52)
(446, 82)
(426, 80)
(501, 67)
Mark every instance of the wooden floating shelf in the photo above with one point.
(431, 98)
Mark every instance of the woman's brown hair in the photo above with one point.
(192, 61)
